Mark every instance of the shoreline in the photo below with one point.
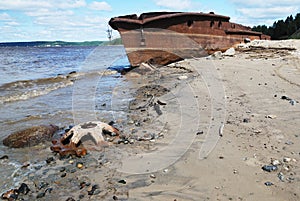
(259, 127)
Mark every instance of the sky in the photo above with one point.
(87, 20)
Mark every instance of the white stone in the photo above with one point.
(182, 77)
(286, 159)
(275, 162)
(230, 52)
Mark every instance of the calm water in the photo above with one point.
(39, 86)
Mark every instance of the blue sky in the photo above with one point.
(86, 20)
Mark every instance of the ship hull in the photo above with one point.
(162, 38)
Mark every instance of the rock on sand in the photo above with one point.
(30, 136)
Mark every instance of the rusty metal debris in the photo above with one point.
(70, 144)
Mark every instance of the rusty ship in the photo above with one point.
(164, 37)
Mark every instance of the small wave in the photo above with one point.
(32, 92)
(26, 89)
(30, 83)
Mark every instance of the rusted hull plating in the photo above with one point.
(163, 37)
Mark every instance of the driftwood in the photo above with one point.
(256, 48)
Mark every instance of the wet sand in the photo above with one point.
(202, 129)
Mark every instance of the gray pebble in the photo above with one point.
(40, 195)
(269, 168)
(268, 183)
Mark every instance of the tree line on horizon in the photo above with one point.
(282, 29)
(116, 41)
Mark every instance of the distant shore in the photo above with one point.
(116, 41)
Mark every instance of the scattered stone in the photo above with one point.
(286, 159)
(130, 122)
(62, 169)
(200, 133)
(49, 190)
(92, 190)
(166, 170)
(269, 168)
(42, 184)
(122, 181)
(293, 102)
(217, 55)
(147, 137)
(182, 77)
(4, 157)
(73, 170)
(280, 176)
(24, 189)
(157, 109)
(271, 116)
(229, 52)
(40, 195)
(286, 168)
(152, 176)
(30, 136)
(289, 143)
(115, 198)
(268, 183)
(246, 120)
(79, 165)
(275, 162)
(70, 199)
(49, 160)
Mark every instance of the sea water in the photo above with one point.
(56, 85)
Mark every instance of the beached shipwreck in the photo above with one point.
(165, 37)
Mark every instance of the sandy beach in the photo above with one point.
(199, 129)
(261, 126)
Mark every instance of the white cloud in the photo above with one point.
(100, 6)
(70, 27)
(47, 12)
(266, 3)
(31, 5)
(5, 17)
(273, 12)
(69, 20)
(66, 4)
(174, 4)
(257, 12)
(23, 5)
(8, 20)
(12, 23)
